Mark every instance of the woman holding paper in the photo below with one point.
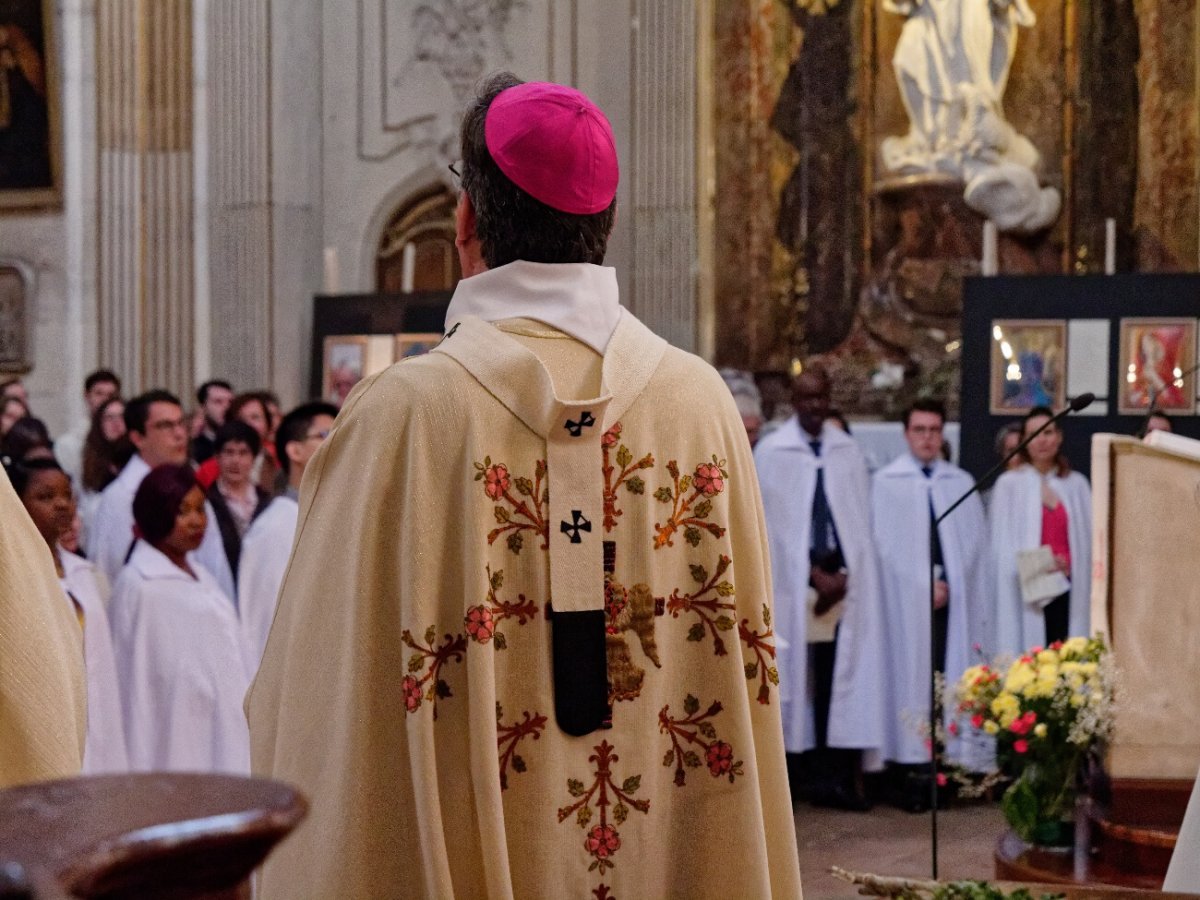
(1041, 524)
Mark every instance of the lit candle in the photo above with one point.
(332, 274)
(990, 264)
(1110, 246)
(408, 268)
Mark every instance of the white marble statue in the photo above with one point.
(952, 63)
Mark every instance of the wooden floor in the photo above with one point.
(887, 841)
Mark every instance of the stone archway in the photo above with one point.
(416, 250)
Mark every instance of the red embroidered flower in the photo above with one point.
(480, 623)
(720, 759)
(953, 728)
(602, 841)
(611, 436)
(412, 693)
(497, 481)
(708, 479)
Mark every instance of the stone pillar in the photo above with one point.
(1167, 204)
(145, 286)
(240, 215)
(747, 75)
(664, 190)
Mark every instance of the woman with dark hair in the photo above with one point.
(45, 491)
(1040, 504)
(252, 409)
(106, 450)
(27, 438)
(183, 672)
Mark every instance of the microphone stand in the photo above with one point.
(1080, 402)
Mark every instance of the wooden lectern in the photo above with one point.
(1146, 604)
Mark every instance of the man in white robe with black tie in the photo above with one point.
(816, 497)
(905, 495)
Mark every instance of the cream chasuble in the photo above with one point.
(457, 511)
(43, 694)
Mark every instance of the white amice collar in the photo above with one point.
(579, 299)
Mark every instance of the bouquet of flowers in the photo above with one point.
(1048, 711)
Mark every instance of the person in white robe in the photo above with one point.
(267, 544)
(1183, 873)
(1026, 511)
(793, 461)
(104, 751)
(905, 496)
(43, 691)
(178, 644)
(98, 388)
(158, 430)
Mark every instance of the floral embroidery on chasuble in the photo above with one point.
(637, 507)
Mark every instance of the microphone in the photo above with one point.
(1077, 404)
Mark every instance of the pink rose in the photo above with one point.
(720, 759)
(602, 841)
(941, 779)
(708, 479)
(1019, 726)
(977, 720)
(480, 623)
(497, 481)
(611, 436)
(412, 693)
(1021, 746)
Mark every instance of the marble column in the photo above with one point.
(664, 195)
(145, 191)
(238, 151)
(1167, 203)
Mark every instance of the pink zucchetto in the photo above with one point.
(555, 144)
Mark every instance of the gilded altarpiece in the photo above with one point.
(821, 253)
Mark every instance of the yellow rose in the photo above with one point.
(1075, 646)
(1005, 708)
(1087, 669)
(1069, 667)
(1047, 658)
(991, 727)
(1040, 729)
(1018, 677)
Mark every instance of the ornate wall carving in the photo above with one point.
(419, 62)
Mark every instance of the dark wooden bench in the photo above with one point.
(169, 836)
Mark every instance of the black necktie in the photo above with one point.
(936, 538)
(824, 542)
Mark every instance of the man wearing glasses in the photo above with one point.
(156, 427)
(524, 644)
(267, 544)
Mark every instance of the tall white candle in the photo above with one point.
(333, 277)
(1110, 246)
(408, 267)
(990, 264)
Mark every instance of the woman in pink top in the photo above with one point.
(1041, 503)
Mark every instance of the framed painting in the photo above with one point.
(345, 366)
(415, 343)
(30, 127)
(1028, 365)
(1158, 366)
